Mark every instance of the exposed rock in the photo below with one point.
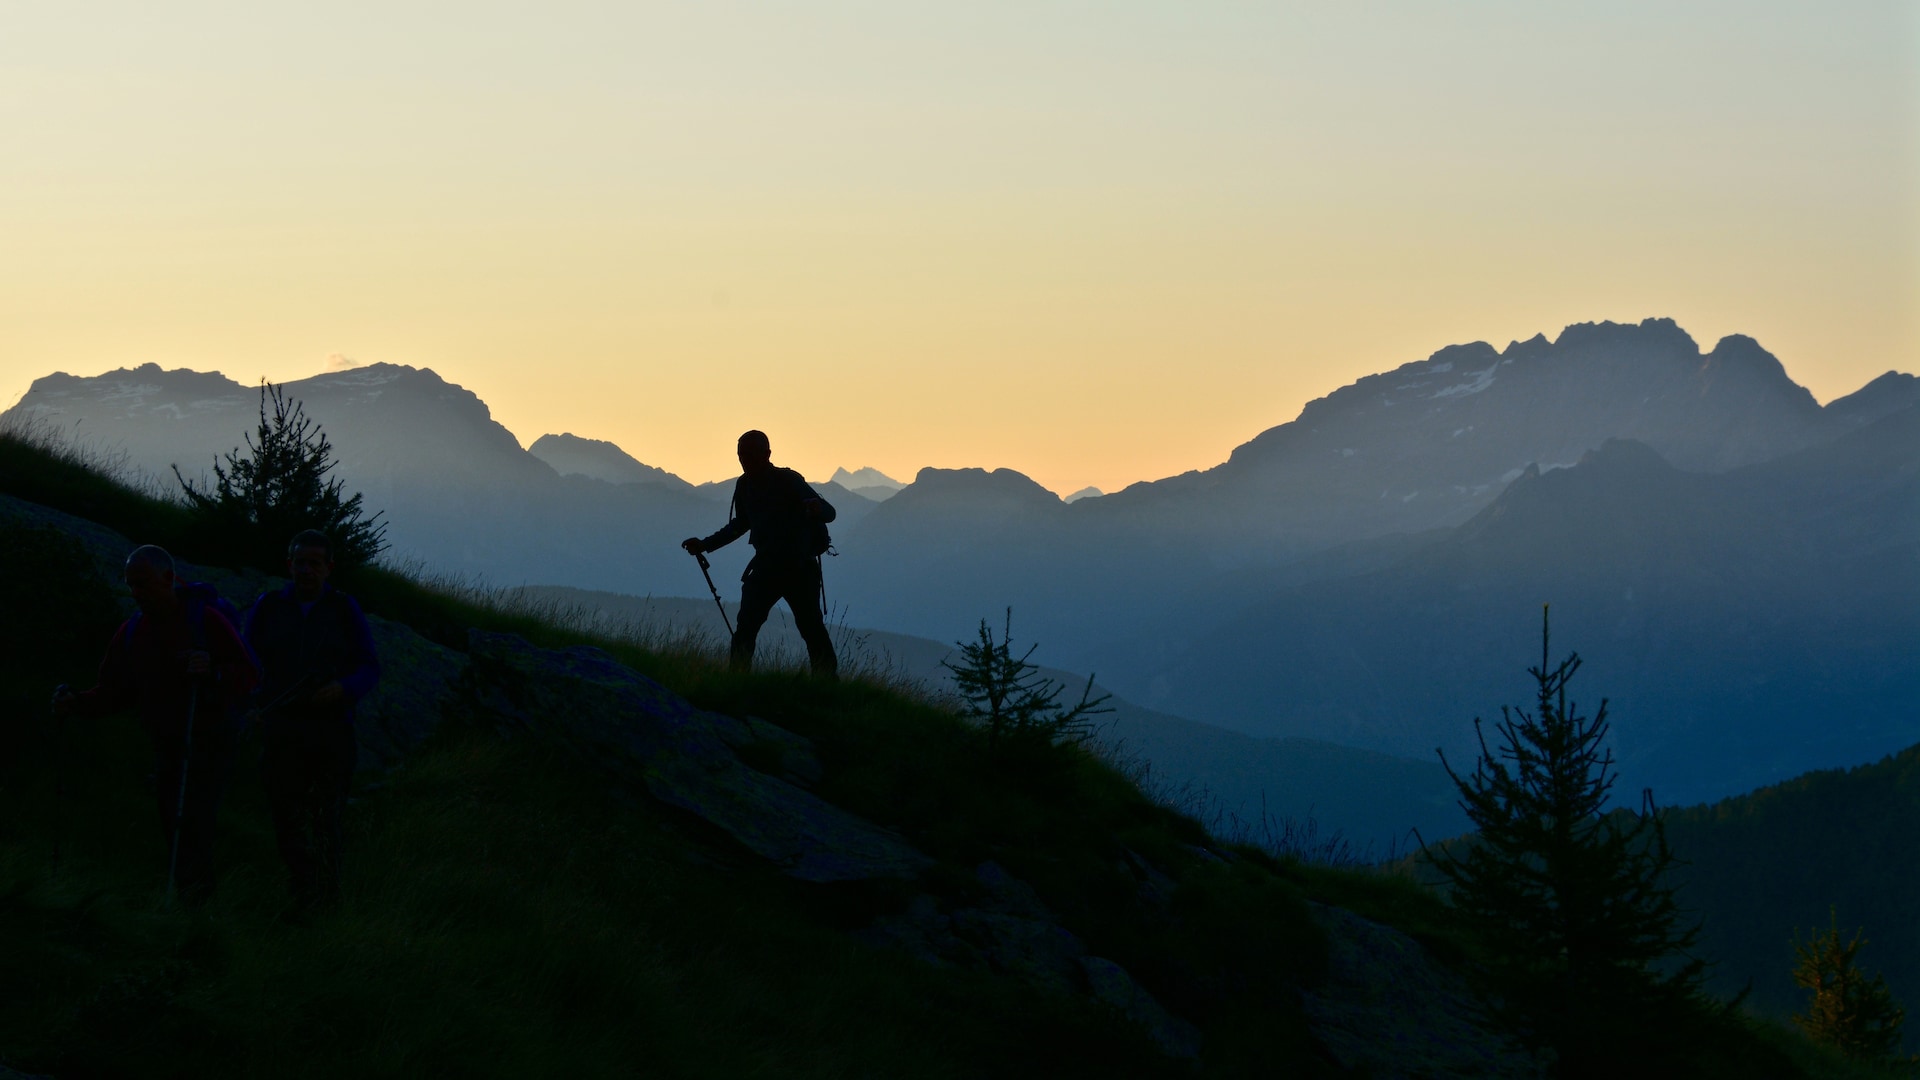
(1011, 933)
(417, 678)
(772, 749)
(685, 757)
(1014, 934)
(1388, 1009)
(1110, 983)
(1156, 888)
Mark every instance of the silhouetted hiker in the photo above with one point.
(787, 521)
(178, 661)
(318, 659)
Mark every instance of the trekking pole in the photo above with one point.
(180, 804)
(704, 568)
(59, 775)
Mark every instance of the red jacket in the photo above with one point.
(149, 672)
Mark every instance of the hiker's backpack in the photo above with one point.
(198, 596)
(819, 540)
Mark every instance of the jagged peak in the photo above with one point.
(865, 476)
(1652, 331)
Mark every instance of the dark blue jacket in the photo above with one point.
(328, 642)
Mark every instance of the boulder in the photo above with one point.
(1013, 933)
(417, 679)
(1110, 983)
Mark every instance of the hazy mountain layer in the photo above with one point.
(1747, 626)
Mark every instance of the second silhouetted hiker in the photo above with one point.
(317, 657)
(786, 522)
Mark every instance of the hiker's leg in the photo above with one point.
(802, 593)
(757, 596)
(335, 758)
(207, 779)
(166, 791)
(284, 771)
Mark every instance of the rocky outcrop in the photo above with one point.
(650, 737)
(1011, 932)
(417, 678)
(1388, 1009)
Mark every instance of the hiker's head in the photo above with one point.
(755, 451)
(150, 578)
(309, 561)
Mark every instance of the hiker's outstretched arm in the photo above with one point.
(113, 690)
(731, 531)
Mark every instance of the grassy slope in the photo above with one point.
(504, 917)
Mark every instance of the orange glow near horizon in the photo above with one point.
(1098, 245)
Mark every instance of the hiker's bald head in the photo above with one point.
(149, 574)
(755, 450)
(151, 556)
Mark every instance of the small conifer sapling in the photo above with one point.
(1011, 700)
(1849, 1010)
(279, 487)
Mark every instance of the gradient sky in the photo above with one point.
(1096, 242)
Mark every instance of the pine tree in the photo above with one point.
(279, 487)
(1010, 699)
(1849, 1011)
(1585, 944)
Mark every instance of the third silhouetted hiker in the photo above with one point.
(181, 664)
(787, 522)
(317, 656)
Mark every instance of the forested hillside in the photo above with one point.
(1765, 868)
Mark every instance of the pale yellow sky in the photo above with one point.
(1096, 242)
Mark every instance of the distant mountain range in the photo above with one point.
(1737, 563)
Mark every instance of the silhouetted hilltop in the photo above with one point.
(598, 459)
(1887, 394)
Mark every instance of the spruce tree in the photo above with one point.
(1584, 942)
(1849, 1011)
(280, 486)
